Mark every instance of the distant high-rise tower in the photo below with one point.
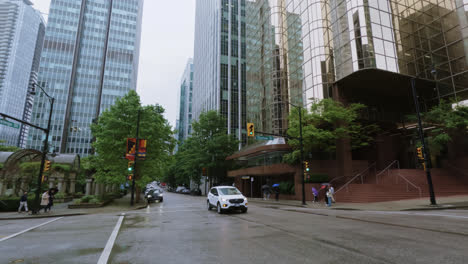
(90, 59)
(185, 103)
(21, 36)
(219, 62)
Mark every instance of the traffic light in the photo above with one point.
(306, 166)
(420, 153)
(250, 130)
(46, 165)
(130, 167)
(203, 171)
(130, 177)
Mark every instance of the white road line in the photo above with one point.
(110, 243)
(29, 229)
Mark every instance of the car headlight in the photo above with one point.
(149, 196)
(223, 200)
(160, 194)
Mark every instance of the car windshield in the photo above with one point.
(229, 191)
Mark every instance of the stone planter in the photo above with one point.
(88, 205)
(64, 200)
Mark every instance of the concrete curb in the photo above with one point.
(40, 216)
(435, 208)
(273, 203)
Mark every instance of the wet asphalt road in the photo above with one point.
(182, 230)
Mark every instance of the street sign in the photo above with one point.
(8, 123)
(245, 177)
(263, 137)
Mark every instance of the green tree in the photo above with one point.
(113, 128)
(7, 148)
(448, 122)
(207, 147)
(325, 123)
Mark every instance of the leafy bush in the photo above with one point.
(77, 201)
(87, 198)
(317, 178)
(94, 201)
(8, 204)
(59, 195)
(286, 187)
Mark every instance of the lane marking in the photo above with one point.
(110, 243)
(29, 229)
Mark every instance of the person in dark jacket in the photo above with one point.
(23, 202)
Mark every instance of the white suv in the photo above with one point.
(226, 198)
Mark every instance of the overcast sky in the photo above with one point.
(166, 45)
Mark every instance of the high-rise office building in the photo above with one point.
(21, 37)
(90, 59)
(184, 124)
(219, 62)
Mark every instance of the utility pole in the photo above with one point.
(136, 158)
(421, 137)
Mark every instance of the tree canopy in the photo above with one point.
(207, 147)
(111, 131)
(325, 123)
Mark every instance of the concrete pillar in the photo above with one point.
(72, 186)
(97, 189)
(89, 186)
(2, 186)
(51, 182)
(60, 185)
(23, 186)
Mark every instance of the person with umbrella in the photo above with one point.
(315, 193)
(266, 192)
(277, 191)
(52, 192)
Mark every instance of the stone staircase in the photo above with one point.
(391, 186)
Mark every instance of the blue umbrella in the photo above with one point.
(275, 185)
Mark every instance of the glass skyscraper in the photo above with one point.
(220, 62)
(90, 58)
(184, 124)
(21, 37)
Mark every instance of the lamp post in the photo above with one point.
(421, 137)
(299, 108)
(36, 207)
(434, 73)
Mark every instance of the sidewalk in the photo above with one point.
(61, 209)
(451, 202)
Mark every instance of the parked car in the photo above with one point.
(179, 189)
(155, 195)
(185, 191)
(225, 198)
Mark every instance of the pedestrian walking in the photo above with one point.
(315, 193)
(23, 202)
(328, 196)
(51, 199)
(276, 190)
(266, 192)
(45, 201)
(332, 191)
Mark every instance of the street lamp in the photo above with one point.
(302, 149)
(421, 137)
(36, 207)
(434, 74)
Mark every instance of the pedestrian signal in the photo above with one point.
(250, 130)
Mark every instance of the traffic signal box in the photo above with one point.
(46, 165)
(250, 130)
(130, 170)
(306, 166)
(420, 154)
(204, 172)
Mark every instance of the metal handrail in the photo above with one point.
(355, 177)
(408, 182)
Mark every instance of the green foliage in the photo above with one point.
(317, 178)
(208, 147)
(286, 187)
(447, 121)
(113, 128)
(328, 121)
(8, 204)
(87, 198)
(59, 195)
(63, 168)
(30, 167)
(4, 148)
(1, 165)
